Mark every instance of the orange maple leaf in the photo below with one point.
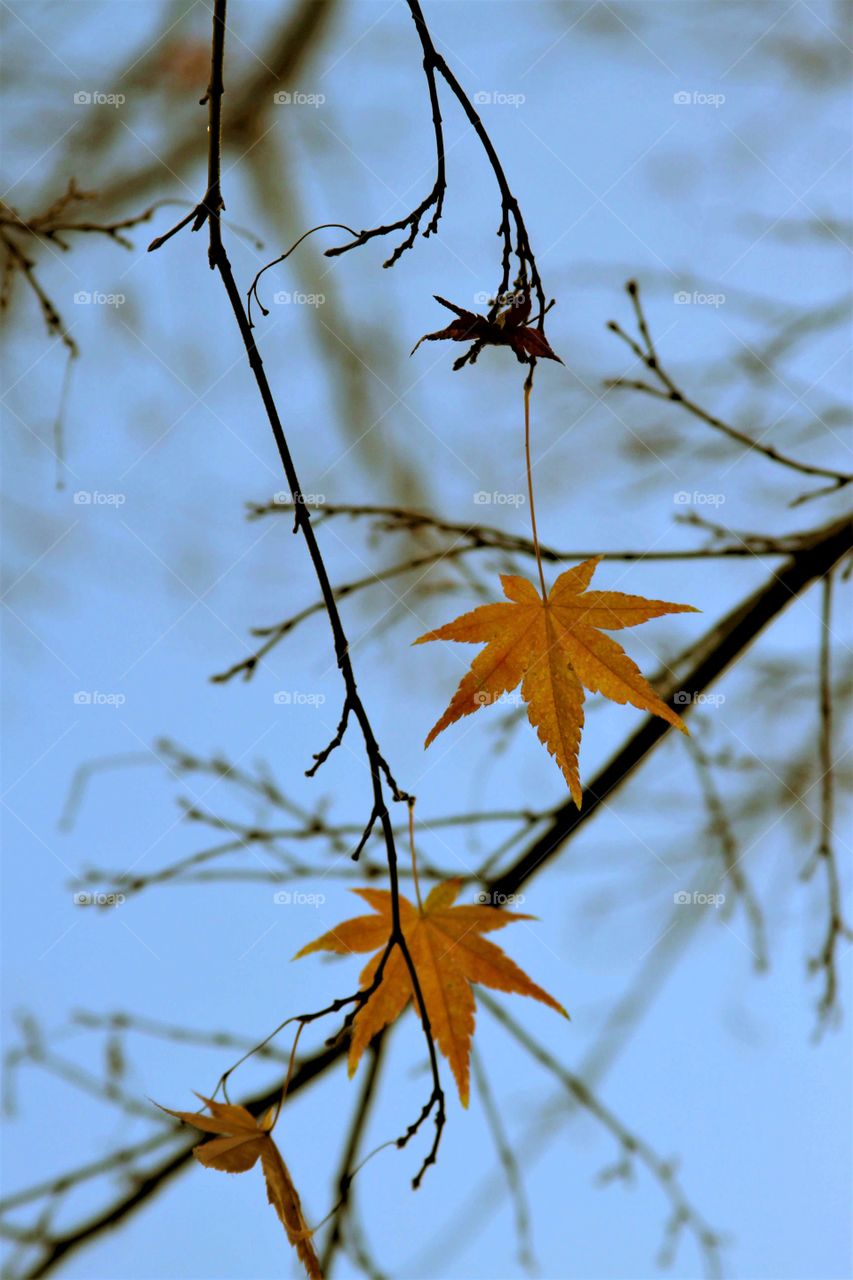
(448, 952)
(555, 647)
(242, 1140)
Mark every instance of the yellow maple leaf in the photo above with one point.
(242, 1140)
(554, 647)
(449, 953)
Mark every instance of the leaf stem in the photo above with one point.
(286, 1085)
(528, 387)
(414, 859)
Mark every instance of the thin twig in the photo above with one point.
(683, 1214)
(349, 1159)
(712, 655)
(837, 930)
(468, 539)
(512, 230)
(667, 390)
(720, 829)
(724, 643)
(391, 519)
(209, 211)
(506, 1155)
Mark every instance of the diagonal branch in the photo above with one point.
(719, 649)
(723, 644)
(58, 1247)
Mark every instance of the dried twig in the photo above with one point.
(509, 1163)
(683, 1215)
(666, 389)
(209, 212)
(723, 644)
(512, 230)
(720, 829)
(349, 1157)
(468, 538)
(837, 930)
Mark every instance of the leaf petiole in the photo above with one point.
(528, 387)
(414, 858)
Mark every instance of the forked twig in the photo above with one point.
(666, 389)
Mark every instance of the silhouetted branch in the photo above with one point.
(512, 230)
(666, 389)
(722, 645)
(467, 539)
(389, 519)
(208, 211)
(145, 1184)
